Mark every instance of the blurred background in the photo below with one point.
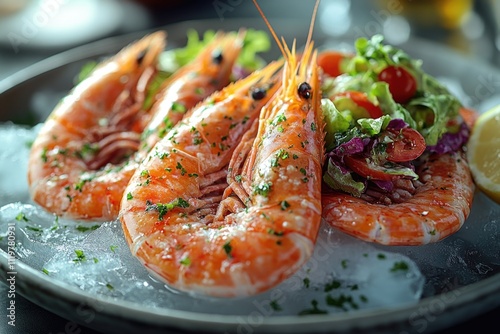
(32, 30)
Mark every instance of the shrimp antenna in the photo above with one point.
(313, 19)
(270, 28)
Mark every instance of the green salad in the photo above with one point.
(382, 113)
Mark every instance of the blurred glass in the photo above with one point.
(8, 7)
(447, 14)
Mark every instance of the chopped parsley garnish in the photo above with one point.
(341, 302)
(185, 261)
(284, 205)
(80, 256)
(275, 306)
(181, 168)
(178, 107)
(332, 286)
(313, 310)
(82, 228)
(400, 266)
(262, 189)
(21, 216)
(228, 248)
(164, 208)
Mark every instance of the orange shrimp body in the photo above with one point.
(438, 208)
(208, 72)
(100, 115)
(202, 234)
(92, 143)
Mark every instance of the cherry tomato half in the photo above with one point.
(408, 145)
(361, 99)
(368, 169)
(330, 62)
(402, 84)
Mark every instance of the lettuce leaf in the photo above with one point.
(255, 42)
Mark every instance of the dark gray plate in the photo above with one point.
(29, 96)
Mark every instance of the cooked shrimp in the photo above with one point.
(94, 124)
(208, 72)
(91, 144)
(437, 209)
(202, 235)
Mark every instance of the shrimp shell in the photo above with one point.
(106, 103)
(437, 209)
(104, 113)
(179, 231)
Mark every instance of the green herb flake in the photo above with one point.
(109, 286)
(307, 282)
(113, 248)
(33, 228)
(262, 189)
(332, 286)
(82, 228)
(163, 209)
(45, 271)
(43, 156)
(284, 205)
(381, 256)
(21, 216)
(178, 107)
(228, 248)
(129, 196)
(313, 310)
(275, 306)
(181, 168)
(341, 301)
(400, 266)
(185, 261)
(80, 256)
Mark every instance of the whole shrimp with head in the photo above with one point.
(228, 206)
(91, 144)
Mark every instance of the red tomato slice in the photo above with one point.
(402, 84)
(330, 62)
(362, 100)
(407, 146)
(367, 169)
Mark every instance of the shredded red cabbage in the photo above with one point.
(451, 142)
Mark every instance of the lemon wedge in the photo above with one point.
(483, 153)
